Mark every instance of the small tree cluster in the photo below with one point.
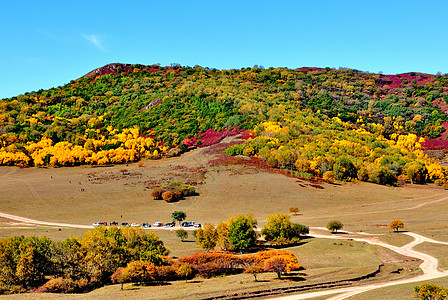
(215, 263)
(238, 233)
(280, 230)
(174, 191)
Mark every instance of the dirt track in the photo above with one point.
(429, 267)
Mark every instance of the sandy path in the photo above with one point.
(429, 267)
(37, 222)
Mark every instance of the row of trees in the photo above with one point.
(25, 262)
(238, 233)
(312, 145)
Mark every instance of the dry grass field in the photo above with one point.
(83, 195)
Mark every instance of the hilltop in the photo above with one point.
(317, 122)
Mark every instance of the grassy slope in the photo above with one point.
(48, 194)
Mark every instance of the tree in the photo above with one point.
(140, 271)
(334, 226)
(222, 230)
(182, 234)
(178, 216)
(241, 232)
(206, 237)
(428, 291)
(185, 271)
(254, 270)
(294, 210)
(120, 276)
(396, 224)
(280, 264)
(279, 229)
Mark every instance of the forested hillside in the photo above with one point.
(338, 124)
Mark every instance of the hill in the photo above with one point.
(343, 124)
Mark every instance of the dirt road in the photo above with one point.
(429, 267)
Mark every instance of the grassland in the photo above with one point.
(54, 194)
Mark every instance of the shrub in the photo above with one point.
(168, 196)
(64, 285)
(427, 291)
(157, 193)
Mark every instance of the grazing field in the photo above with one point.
(83, 195)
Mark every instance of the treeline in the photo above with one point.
(239, 234)
(83, 264)
(158, 108)
(314, 145)
(118, 255)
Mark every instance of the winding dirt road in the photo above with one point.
(429, 265)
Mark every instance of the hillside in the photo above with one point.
(338, 124)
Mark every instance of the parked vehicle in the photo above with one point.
(113, 223)
(124, 224)
(157, 224)
(197, 225)
(169, 224)
(146, 225)
(96, 224)
(188, 224)
(135, 225)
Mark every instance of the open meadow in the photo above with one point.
(83, 195)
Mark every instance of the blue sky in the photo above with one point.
(48, 43)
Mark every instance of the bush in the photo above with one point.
(157, 193)
(64, 285)
(168, 196)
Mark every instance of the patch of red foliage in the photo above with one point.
(395, 81)
(211, 137)
(438, 143)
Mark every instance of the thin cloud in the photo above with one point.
(95, 41)
(47, 34)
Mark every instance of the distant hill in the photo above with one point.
(308, 120)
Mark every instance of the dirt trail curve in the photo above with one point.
(31, 221)
(37, 222)
(429, 267)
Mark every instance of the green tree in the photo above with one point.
(179, 216)
(182, 234)
(206, 237)
(241, 232)
(280, 229)
(334, 226)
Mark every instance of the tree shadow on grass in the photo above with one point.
(194, 281)
(292, 278)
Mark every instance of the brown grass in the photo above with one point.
(55, 195)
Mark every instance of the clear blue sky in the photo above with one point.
(48, 43)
